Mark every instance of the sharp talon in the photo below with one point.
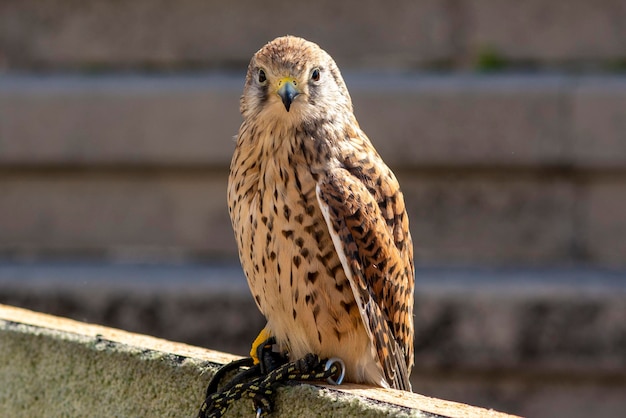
(269, 357)
(342, 368)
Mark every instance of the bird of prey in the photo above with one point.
(319, 219)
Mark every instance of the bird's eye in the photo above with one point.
(315, 74)
(262, 77)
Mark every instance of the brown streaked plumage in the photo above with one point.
(319, 219)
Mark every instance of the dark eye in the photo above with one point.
(262, 77)
(315, 74)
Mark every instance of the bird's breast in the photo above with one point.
(292, 267)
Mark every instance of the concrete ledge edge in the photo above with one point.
(24, 322)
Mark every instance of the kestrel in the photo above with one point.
(319, 219)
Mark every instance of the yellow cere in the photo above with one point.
(285, 80)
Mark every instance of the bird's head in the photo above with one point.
(293, 80)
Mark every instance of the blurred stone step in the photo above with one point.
(140, 34)
(498, 169)
(414, 120)
(177, 217)
(458, 216)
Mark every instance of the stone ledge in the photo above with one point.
(69, 368)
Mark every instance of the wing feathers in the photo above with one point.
(375, 265)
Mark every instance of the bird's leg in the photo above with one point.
(269, 357)
(261, 340)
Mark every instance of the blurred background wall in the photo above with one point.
(505, 122)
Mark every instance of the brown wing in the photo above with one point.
(365, 213)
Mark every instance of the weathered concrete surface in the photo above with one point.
(535, 342)
(67, 368)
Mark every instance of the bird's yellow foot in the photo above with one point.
(260, 341)
(265, 352)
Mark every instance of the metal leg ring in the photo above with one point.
(342, 368)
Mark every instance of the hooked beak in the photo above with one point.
(287, 91)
